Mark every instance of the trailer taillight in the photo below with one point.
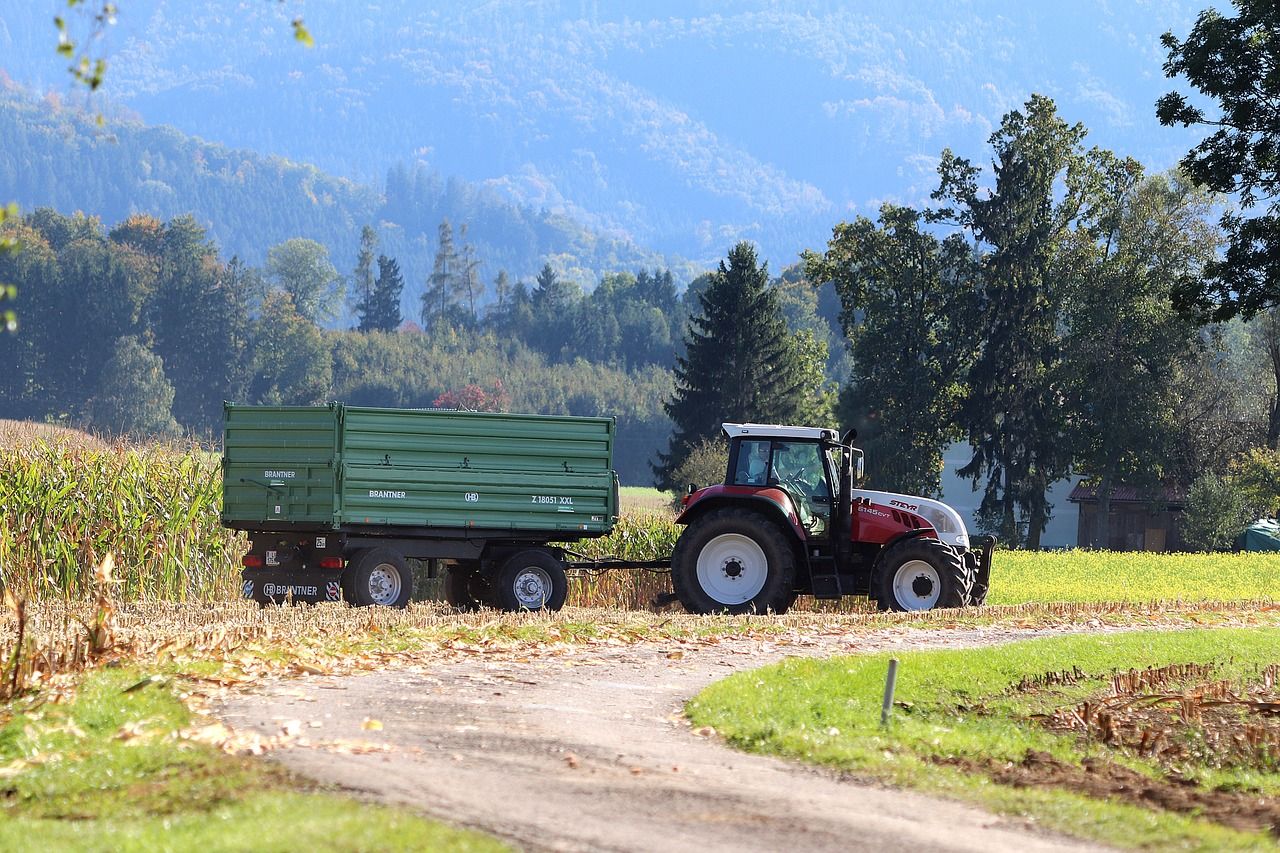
(331, 563)
(251, 561)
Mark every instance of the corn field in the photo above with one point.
(65, 506)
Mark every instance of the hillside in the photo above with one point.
(55, 156)
(682, 126)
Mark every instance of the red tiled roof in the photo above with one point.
(1169, 494)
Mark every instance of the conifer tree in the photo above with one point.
(440, 299)
(362, 279)
(740, 362)
(1014, 411)
(384, 303)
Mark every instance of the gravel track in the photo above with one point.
(585, 748)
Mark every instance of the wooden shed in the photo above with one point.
(1140, 521)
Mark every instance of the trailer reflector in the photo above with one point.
(251, 561)
(331, 563)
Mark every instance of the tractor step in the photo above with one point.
(825, 585)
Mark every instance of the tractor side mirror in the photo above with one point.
(849, 437)
(692, 488)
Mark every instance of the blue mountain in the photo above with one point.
(678, 126)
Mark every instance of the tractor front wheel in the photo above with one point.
(733, 561)
(921, 574)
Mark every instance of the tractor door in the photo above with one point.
(800, 468)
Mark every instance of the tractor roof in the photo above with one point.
(779, 431)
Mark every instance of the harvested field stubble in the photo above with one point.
(235, 641)
(1181, 714)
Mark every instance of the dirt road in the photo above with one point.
(585, 749)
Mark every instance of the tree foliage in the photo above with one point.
(134, 398)
(907, 309)
(383, 311)
(1014, 411)
(219, 333)
(1235, 62)
(302, 269)
(1125, 345)
(1215, 513)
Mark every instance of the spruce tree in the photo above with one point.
(440, 299)
(740, 362)
(1014, 411)
(384, 304)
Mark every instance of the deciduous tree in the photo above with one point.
(1234, 61)
(906, 308)
(134, 397)
(1124, 344)
(301, 268)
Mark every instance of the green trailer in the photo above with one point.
(335, 498)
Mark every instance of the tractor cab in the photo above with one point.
(801, 462)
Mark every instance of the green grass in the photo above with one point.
(1019, 577)
(69, 782)
(644, 499)
(828, 712)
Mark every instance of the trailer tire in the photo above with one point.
(379, 576)
(733, 560)
(921, 574)
(344, 581)
(531, 580)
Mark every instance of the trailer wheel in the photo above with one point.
(733, 560)
(344, 581)
(466, 589)
(532, 580)
(379, 576)
(921, 574)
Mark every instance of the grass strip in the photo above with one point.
(110, 770)
(960, 709)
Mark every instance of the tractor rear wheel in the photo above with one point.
(733, 560)
(921, 574)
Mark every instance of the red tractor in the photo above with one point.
(789, 520)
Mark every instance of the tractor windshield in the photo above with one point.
(799, 466)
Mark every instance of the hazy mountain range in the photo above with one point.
(680, 127)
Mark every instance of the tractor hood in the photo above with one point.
(944, 519)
